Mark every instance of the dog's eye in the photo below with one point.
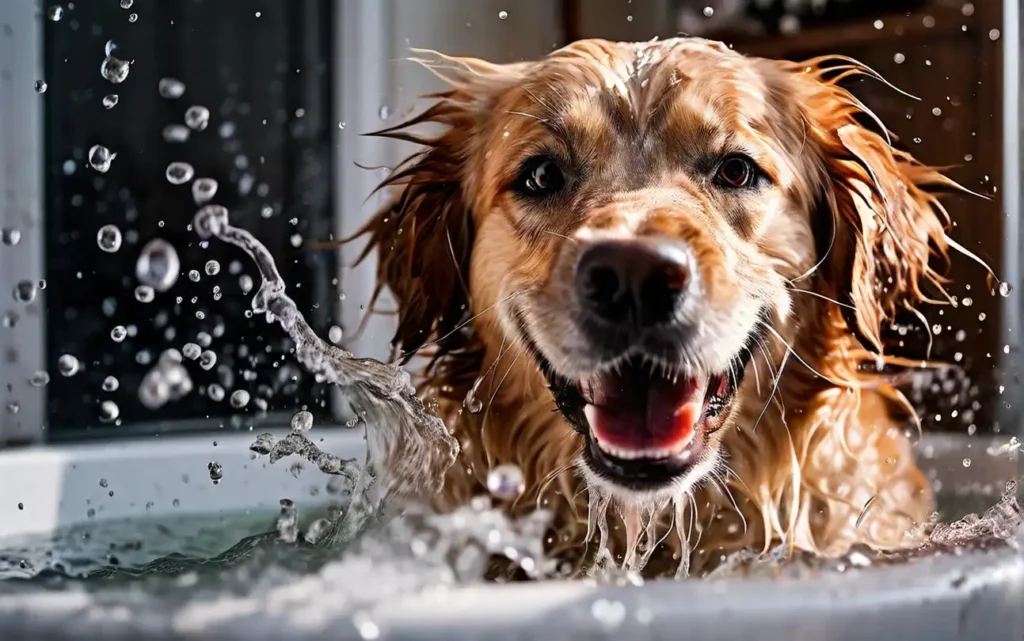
(736, 171)
(540, 177)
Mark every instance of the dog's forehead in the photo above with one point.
(658, 79)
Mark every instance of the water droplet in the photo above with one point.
(993, 34)
(171, 88)
(193, 275)
(239, 399)
(100, 158)
(109, 411)
(216, 471)
(144, 294)
(302, 421)
(384, 112)
(179, 172)
(133, 17)
(203, 189)
(365, 626)
(197, 117)
(110, 100)
(207, 360)
(110, 384)
(505, 482)
(610, 614)
(24, 291)
(936, 111)
(212, 268)
(10, 319)
(13, 407)
(967, 462)
(10, 236)
(473, 403)
(502, 15)
(176, 133)
(288, 522)
(114, 69)
(899, 58)
(215, 392)
(118, 334)
(1005, 289)
(126, 4)
(109, 238)
(967, 301)
(708, 12)
(39, 379)
(40, 86)
(245, 283)
(334, 334)
(55, 13)
(68, 365)
(191, 351)
(158, 265)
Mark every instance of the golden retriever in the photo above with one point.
(654, 277)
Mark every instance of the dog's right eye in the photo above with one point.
(540, 176)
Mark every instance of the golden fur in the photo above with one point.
(841, 240)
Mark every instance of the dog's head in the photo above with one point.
(640, 219)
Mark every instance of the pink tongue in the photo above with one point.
(656, 415)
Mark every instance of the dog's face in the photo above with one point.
(640, 215)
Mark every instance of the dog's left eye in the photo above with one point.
(540, 176)
(736, 171)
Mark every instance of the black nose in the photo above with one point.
(638, 282)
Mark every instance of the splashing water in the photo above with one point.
(408, 450)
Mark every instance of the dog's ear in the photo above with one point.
(424, 235)
(880, 227)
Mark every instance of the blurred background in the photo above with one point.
(291, 84)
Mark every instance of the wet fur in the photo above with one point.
(815, 436)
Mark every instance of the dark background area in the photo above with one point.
(263, 69)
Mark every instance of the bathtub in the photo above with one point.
(972, 596)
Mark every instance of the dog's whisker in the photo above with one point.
(810, 292)
(463, 324)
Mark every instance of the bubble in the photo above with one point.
(212, 268)
(179, 173)
(118, 334)
(158, 265)
(1005, 289)
(215, 392)
(68, 365)
(109, 238)
(110, 384)
(197, 117)
(506, 482)
(210, 220)
(334, 334)
(126, 4)
(302, 421)
(40, 86)
(502, 15)
(144, 294)
(10, 236)
(171, 88)
(24, 291)
(216, 471)
(708, 12)
(239, 399)
(110, 100)
(207, 360)
(109, 411)
(39, 379)
(176, 133)
(203, 189)
(100, 158)
(55, 13)
(193, 275)
(191, 351)
(114, 69)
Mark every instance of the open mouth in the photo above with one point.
(645, 424)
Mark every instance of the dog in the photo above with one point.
(655, 276)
